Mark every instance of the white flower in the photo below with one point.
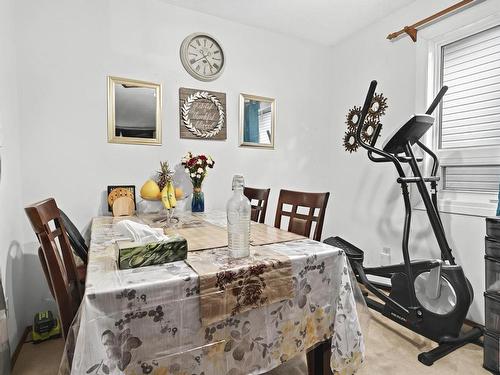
(198, 176)
(200, 170)
(186, 170)
(200, 162)
(193, 174)
(209, 162)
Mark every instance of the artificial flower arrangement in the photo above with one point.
(196, 167)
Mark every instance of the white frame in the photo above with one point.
(474, 203)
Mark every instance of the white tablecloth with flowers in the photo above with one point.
(146, 320)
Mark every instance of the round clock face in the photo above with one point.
(202, 56)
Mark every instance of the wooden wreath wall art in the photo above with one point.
(202, 114)
(372, 122)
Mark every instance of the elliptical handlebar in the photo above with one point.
(386, 157)
(432, 107)
(436, 100)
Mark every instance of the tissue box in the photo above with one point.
(133, 255)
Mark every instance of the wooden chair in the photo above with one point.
(261, 196)
(302, 223)
(57, 259)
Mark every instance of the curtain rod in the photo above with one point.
(412, 29)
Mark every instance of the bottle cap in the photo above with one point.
(238, 181)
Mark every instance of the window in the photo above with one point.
(470, 112)
(467, 135)
(470, 115)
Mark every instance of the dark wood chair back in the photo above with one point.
(259, 209)
(301, 223)
(57, 259)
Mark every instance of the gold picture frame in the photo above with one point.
(266, 123)
(136, 117)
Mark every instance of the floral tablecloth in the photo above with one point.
(147, 320)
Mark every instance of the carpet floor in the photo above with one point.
(390, 349)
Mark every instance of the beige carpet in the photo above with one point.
(39, 359)
(390, 349)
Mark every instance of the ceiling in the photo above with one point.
(322, 21)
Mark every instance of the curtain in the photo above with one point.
(251, 122)
(4, 337)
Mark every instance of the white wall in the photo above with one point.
(11, 243)
(67, 48)
(368, 208)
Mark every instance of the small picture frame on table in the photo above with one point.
(121, 190)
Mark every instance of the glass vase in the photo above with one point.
(198, 201)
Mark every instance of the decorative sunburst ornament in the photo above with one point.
(350, 142)
(371, 124)
(369, 128)
(353, 117)
(378, 106)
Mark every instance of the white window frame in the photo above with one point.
(472, 203)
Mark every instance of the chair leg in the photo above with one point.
(315, 360)
(327, 354)
(318, 359)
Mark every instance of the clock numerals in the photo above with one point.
(203, 57)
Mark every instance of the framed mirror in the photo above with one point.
(134, 111)
(257, 121)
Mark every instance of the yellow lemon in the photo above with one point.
(150, 190)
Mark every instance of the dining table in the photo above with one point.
(211, 314)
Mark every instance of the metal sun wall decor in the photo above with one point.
(202, 114)
(371, 123)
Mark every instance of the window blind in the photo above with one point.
(472, 178)
(265, 125)
(470, 115)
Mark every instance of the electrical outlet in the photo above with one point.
(385, 256)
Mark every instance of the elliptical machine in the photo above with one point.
(430, 297)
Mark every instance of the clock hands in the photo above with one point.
(195, 61)
(203, 56)
(206, 58)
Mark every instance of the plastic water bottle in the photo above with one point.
(238, 220)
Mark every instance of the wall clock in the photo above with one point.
(202, 56)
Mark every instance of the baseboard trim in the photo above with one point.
(19, 346)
